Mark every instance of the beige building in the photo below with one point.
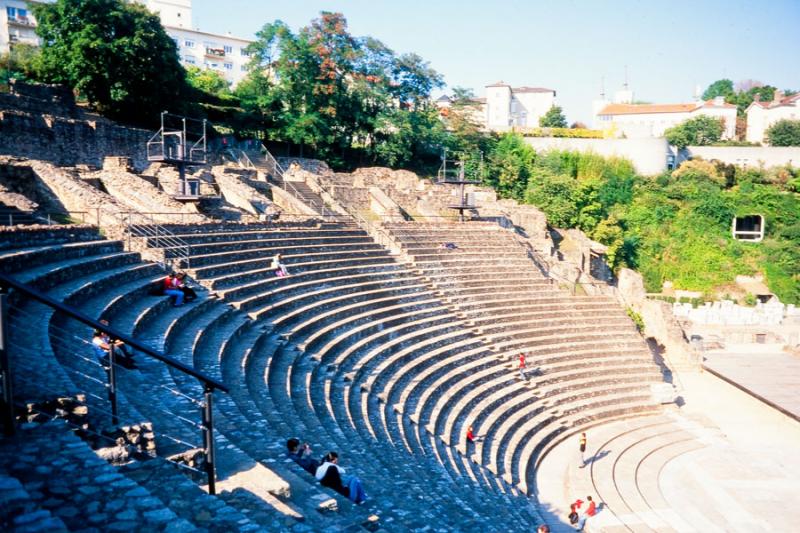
(505, 107)
(17, 25)
(761, 115)
(625, 119)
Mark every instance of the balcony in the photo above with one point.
(23, 39)
(21, 21)
(215, 53)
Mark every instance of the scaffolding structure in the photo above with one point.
(181, 142)
(461, 171)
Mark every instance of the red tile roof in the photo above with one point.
(634, 109)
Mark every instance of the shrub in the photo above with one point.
(573, 133)
(638, 321)
(697, 169)
(699, 131)
(784, 133)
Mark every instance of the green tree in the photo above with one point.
(462, 95)
(19, 64)
(554, 118)
(698, 131)
(784, 132)
(510, 164)
(209, 81)
(339, 95)
(723, 87)
(113, 53)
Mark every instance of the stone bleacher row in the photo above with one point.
(583, 370)
(104, 281)
(385, 361)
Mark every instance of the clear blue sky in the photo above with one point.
(567, 45)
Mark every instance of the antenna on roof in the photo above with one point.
(625, 86)
(602, 87)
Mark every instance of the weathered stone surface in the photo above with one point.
(42, 122)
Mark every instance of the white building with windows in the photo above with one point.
(516, 107)
(224, 54)
(622, 118)
(505, 107)
(17, 25)
(762, 115)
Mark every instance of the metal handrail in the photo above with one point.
(8, 281)
(149, 228)
(275, 168)
(209, 384)
(44, 217)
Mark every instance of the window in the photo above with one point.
(228, 66)
(228, 49)
(188, 44)
(244, 52)
(243, 68)
(11, 12)
(189, 59)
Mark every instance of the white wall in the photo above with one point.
(637, 125)
(749, 155)
(648, 155)
(498, 108)
(176, 13)
(759, 120)
(534, 106)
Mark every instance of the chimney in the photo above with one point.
(719, 101)
(756, 97)
(778, 96)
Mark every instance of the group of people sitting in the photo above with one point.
(327, 471)
(174, 286)
(579, 512)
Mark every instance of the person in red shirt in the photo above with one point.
(574, 513)
(591, 510)
(470, 435)
(522, 365)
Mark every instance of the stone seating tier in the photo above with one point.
(336, 347)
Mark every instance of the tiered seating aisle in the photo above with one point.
(580, 370)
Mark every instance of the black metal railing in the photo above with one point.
(209, 384)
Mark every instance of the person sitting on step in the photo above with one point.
(331, 475)
(180, 284)
(172, 291)
(302, 455)
(278, 267)
(102, 343)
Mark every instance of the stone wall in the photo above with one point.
(140, 195)
(729, 313)
(42, 122)
(660, 323)
(423, 199)
(12, 237)
(63, 186)
(240, 194)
